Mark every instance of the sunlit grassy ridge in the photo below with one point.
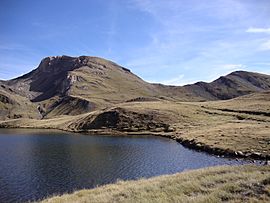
(215, 184)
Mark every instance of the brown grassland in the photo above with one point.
(238, 127)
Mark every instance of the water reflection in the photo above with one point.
(36, 164)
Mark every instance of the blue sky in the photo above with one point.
(167, 41)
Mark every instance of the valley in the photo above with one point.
(229, 117)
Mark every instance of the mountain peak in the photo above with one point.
(64, 63)
(56, 64)
(64, 75)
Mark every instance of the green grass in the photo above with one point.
(217, 184)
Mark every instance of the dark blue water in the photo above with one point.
(37, 164)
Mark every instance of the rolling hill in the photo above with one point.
(65, 85)
(235, 84)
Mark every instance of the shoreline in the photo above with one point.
(190, 144)
(211, 184)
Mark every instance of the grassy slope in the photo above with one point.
(201, 123)
(16, 106)
(256, 102)
(206, 126)
(109, 85)
(216, 184)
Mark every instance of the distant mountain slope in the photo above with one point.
(64, 75)
(89, 82)
(14, 106)
(64, 85)
(235, 84)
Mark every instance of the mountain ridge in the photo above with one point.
(64, 84)
(236, 84)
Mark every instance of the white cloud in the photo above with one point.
(223, 69)
(173, 81)
(232, 67)
(179, 80)
(258, 30)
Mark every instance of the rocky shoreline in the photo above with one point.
(222, 152)
(191, 144)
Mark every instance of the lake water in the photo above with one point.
(37, 164)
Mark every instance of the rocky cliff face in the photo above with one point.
(54, 76)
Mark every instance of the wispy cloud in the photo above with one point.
(232, 67)
(16, 59)
(9, 71)
(258, 30)
(172, 42)
(199, 36)
(175, 80)
(265, 46)
(262, 63)
(179, 80)
(223, 69)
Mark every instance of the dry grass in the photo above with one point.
(110, 84)
(18, 107)
(202, 123)
(256, 102)
(244, 136)
(217, 184)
